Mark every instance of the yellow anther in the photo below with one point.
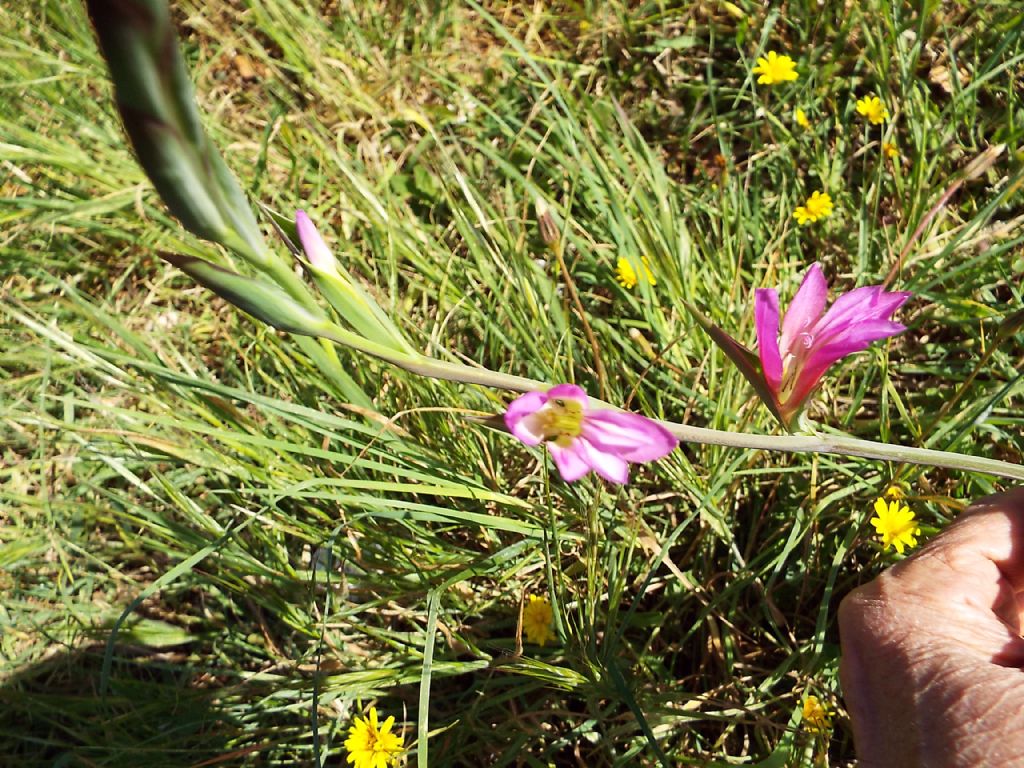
(561, 420)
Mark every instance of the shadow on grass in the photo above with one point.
(156, 713)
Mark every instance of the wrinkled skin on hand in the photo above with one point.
(932, 658)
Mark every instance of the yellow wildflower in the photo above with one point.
(895, 525)
(818, 206)
(626, 275)
(537, 620)
(801, 119)
(890, 150)
(775, 69)
(873, 109)
(895, 492)
(817, 718)
(373, 745)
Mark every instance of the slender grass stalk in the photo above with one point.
(269, 304)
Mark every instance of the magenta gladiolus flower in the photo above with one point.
(580, 439)
(794, 362)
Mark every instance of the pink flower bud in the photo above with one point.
(316, 249)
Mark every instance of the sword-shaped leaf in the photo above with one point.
(157, 105)
(263, 300)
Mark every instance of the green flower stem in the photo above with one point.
(426, 366)
(277, 269)
(358, 310)
(846, 446)
(832, 444)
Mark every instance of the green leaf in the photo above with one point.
(157, 105)
(262, 300)
(154, 633)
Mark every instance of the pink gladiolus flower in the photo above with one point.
(794, 362)
(580, 439)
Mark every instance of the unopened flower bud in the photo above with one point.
(319, 255)
(546, 222)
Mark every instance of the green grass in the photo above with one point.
(278, 554)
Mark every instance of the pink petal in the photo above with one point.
(518, 413)
(569, 392)
(888, 302)
(849, 307)
(870, 302)
(805, 309)
(609, 466)
(855, 338)
(570, 462)
(766, 320)
(628, 435)
(316, 249)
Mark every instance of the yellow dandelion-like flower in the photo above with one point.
(538, 619)
(895, 525)
(818, 206)
(774, 69)
(816, 716)
(626, 275)
(890, 150)
(371, 744)
(800, 117)
(873, 109)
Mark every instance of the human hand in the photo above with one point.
(932, 660)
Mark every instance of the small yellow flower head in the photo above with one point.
(775, 69)
(537, 620)
(818, 206)
(894, 525)
(873, 109)
(626, 275)
(373, 745)
(895, 492)
(817, 718)
(800, 117)
(890, 150)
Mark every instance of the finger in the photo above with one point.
(1006, 510)
(977, 563)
